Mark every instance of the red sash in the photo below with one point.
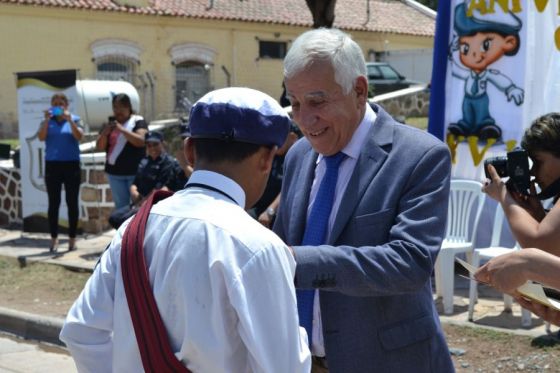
(150, 331)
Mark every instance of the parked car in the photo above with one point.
(383, 78)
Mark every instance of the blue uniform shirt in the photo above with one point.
(60, 144)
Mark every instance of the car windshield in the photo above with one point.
(373, 72)
(388, 72)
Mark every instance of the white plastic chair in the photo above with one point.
(488, 253)
(464, 196)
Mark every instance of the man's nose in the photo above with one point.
(307, 118)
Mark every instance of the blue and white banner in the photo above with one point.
(495, 70)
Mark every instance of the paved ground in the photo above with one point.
(15, 354)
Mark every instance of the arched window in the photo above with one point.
(115, 68)
(193, 66)
(192, 81)
(116, 59)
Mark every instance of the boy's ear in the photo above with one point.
(510, 43)
(189, 152)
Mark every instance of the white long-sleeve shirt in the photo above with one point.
(222, 282)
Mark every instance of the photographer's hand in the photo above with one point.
(495, 187)
(530, 202)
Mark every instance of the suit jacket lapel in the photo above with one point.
(298, 216)
(372, 156)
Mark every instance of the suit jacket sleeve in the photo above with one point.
(389, 251)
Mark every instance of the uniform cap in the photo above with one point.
(240, 115)
(153, 136)
(499, 22)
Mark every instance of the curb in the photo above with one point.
(31, 326)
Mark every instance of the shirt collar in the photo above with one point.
(353, 148)
(221, 182)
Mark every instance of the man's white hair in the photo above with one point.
(330, 45)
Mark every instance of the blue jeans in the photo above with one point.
(120, 189)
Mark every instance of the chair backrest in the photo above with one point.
(463, 197)
(497, 228)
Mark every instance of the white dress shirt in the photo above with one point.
(352, 152)
(222, 282)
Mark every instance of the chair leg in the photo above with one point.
(447, 280)
(508, 302)
(473, 286)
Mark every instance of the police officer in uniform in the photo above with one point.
(157, 170)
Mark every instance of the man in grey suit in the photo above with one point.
(371, 300)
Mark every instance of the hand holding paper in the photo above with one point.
(527, 289)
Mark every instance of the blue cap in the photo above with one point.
(240, 115)
(502, 23)
(153, 136)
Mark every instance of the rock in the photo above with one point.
(457, 351)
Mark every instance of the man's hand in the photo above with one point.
(265, 219)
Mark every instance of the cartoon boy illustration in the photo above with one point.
(482, 40)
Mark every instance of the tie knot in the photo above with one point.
(333, 161)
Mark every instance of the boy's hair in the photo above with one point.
(217, 151)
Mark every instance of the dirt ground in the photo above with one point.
(50, 290)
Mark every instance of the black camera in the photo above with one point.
(514, 165)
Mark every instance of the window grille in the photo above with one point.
(192, 81)
(272, 49)
(116, 68)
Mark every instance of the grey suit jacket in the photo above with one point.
(374, 273)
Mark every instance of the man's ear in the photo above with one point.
(188, 150)
(510, 43)
(361, 89)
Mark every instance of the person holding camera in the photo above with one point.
(122, 137)
(530, 223)
(62, 132)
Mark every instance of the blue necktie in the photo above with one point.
(474, 88)
(316, 233)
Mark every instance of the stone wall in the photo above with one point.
(410, 102)
(10, 194)
(96, 202)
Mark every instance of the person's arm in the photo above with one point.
(135, 195)
(528, 231)
(44, 127)
(77, 131)
(404, 261)
(265, 218)
(509, 271)
(88, 328)
(135, 137)
(103, 137)
(268, 317)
